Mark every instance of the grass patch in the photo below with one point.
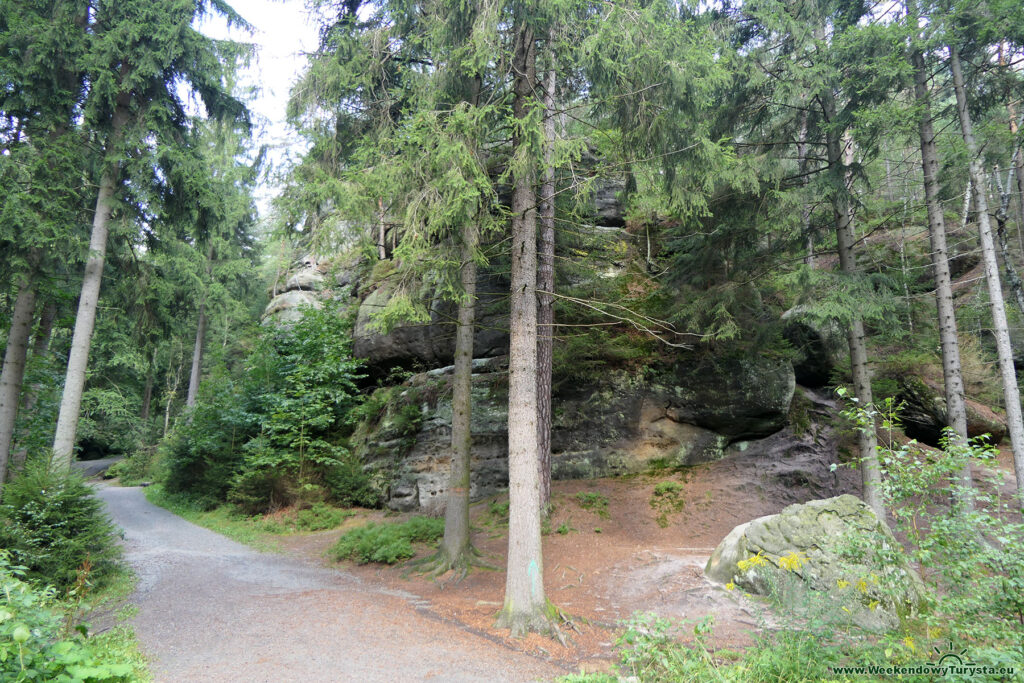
(666, 499)
(387, 543)
(255, 531)
(593, 502)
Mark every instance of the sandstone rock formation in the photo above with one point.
(836, 549)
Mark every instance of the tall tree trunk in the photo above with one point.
(147, 392)
(172, 389)
(40, 347)
(382, 252)
(856, 339)
(546, 285)
(949, 342)
(525, 608)
(455, 546)
(1011, 393)
(13, 373)
(195, 375)
(805, 209)
(197, 358)
(1002, 215)
(85, 321)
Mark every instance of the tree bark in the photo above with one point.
(856, 339)
(949, 342)
(40, 347)
(1011, 393)
(1002, 215)
(805, 209)
(195, 375)
(455, 546)
(546, 286)
(13, 373)
(85, 321)
(525, 608)
(147, 392)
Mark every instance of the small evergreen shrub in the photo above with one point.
(53, 523)
(387, 543)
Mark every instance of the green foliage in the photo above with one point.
(37, 642)
(667, 499)
(278, 435)
(387, 543)
(318, 517)
(53, 524)
(594, 502)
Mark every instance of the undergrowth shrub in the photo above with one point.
(278, 436)
(387, 543)
(52, 524)
(39, 643)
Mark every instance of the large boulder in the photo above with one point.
(924, 414)
(741, 398)
(309, 279)
(815, 552)
(287, 307)
(430, 344)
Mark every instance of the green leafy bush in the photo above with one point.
(387, 543)
(278, 436)
(53, 523)
(37, 643)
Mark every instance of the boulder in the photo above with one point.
(286, 307)
(817, 549)
(308, 279)
(607, 206)
(924, 414)
(819, 346)
(740, 398)
(430, 344)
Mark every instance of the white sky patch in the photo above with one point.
(283, 32)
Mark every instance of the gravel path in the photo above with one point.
(211, 609)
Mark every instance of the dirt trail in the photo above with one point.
(211, 609)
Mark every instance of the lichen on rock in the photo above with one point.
(835, 551)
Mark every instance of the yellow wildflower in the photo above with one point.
(792, 562)
(758, 560)
(862, 586)
(909, 643)
(841, 583)
(730, 586)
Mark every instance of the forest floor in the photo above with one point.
(211, 609)
(603, 566)
(609, 552)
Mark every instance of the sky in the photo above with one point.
(283, 32)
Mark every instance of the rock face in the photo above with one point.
(286, 307)
(810, 549)
(741, 398)
(430, 344)
(819, 347)
(924, 414)
(619, 426)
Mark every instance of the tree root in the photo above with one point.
(440, 563)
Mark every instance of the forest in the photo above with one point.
(542, 287)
